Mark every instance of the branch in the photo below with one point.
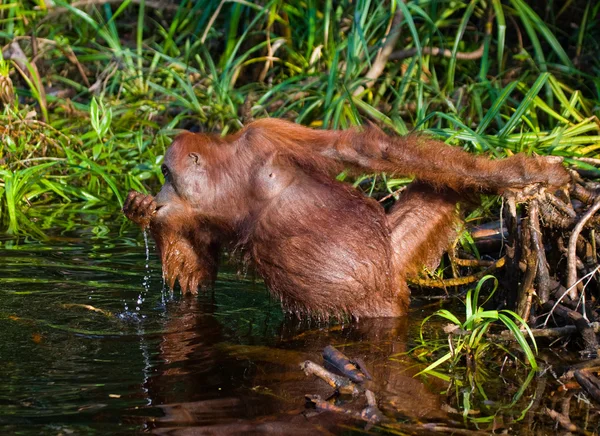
(459, 281)
(382, 57)
(437, 51)
(572, 256)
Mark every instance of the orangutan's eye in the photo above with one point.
(165, 171)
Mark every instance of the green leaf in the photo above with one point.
(524, 106)
(520, 339)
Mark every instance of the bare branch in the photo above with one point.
(572, 256)
(437, 51)
(382, 57)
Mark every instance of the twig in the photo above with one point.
(565, 208)
(88, 307)
(437, 51)
(550, 332)
(459, 281)
(152, 4)
(371, 400)
(589, 383)
(472, 262)
(211, 21)
(15, 53)
(513, 248)
(588, 333)
(67, 51)
(591, 365)
(218, 10)
(564, 421)
(571, 255)
(560, 215)
(341, 384)
(564, 294)
(382, 57)
(369, 414)
(394, 194)
(588, 160)
(553, 217)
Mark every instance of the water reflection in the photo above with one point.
(76, 356)
(206, 383)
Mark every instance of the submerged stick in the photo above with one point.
(341, 384)
(371, 413)
(367, 414)
(339, 361)
(88, 307)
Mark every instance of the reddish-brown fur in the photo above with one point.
(321, 246)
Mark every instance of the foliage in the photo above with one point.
(467, 351)
(103, 87)
(467, 341)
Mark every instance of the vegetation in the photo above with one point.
(93, 92)
(467, 358)
(467, 342)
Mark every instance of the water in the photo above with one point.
(91, 342)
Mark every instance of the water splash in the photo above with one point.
(140, 329)
(145, 284)
(147, 276)
(145, 233)
(163, 292)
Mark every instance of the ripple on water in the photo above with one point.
(91, 340)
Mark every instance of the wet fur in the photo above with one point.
(321, 246)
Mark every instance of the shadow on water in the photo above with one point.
(86, 347)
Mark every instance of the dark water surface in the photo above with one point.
(91, 342)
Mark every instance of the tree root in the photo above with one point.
(551, 238)
(554, 217)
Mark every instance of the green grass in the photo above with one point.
(470, 343)
(467, 357)
(104, 88)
